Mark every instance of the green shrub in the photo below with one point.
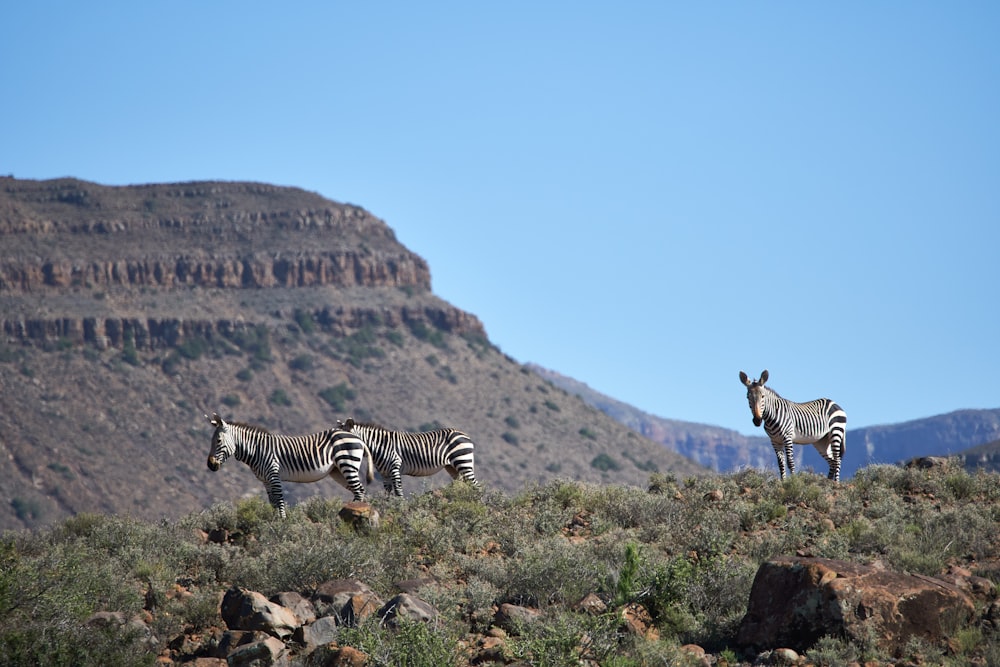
(394, 337)
(280, 398)
(428, 334)
(305, 320)
(605, 463)
(303, 362)
(338, 396)
(255, 341)
(410, 644)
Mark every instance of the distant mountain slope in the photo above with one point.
(984, 457)
(128, 313)
(718, 448)
(941, 435)
(725, 450)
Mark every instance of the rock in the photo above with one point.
(320, 632)
(489, 649)
(591, 604)
(925, 462)
(715, 495)
(413, 585)
(361, 516)
(510, 617)
(105, 619)
(265, 653)
(795, 601)
(248, 610)
(332, 655)
(693, 650)
(299, 605)
(408, 607)
(784, 656)
(349, 600)
(639, 622)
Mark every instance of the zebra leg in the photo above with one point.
(463, 470)
(275, 494)
(836, 455)
(790, 457)
(352, 481)
(395, 481)
(829, 448)
(778, 453)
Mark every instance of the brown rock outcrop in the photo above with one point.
(795, 601)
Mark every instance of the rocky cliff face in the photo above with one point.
(66, 233)
(67, 238)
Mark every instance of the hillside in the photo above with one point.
(724, 450)
(898, 566)
(985, 457)
(128, 313)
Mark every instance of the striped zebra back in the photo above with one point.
(397, 453)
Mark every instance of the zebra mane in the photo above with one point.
(373, 425)
(251, 427)
(776, 394)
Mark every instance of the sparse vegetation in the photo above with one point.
(279, 397)
(605, 462)
(685, 557)
(302, 363)
(255, 341)
(338, 396)
(305, 321)
(422, 331)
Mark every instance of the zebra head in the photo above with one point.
(755, 395)
(223, 445)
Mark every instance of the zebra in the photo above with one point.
(299, 458)
(397, 453)
(821, 423)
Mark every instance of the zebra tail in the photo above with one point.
(368, 457)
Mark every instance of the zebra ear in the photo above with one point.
(763, 376)
(744, 379)
(215, 419)
(348, 425)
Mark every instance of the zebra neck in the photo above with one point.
(245, 446)
(770, 406)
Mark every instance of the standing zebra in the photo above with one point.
(820, 423)
(397, 453)
(298, 458)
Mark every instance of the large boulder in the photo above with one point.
(408, 607)
(795, 601)
(349, 600)
(249, 610)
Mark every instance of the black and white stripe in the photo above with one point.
(299, 458)
(821, 423)
(398, 453)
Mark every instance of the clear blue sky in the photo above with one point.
(648, 197)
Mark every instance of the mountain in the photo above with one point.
(984, 457)
(128, 313)
(724, 450)
(720, 449)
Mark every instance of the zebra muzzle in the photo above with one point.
(756, 422)
(213, 463)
